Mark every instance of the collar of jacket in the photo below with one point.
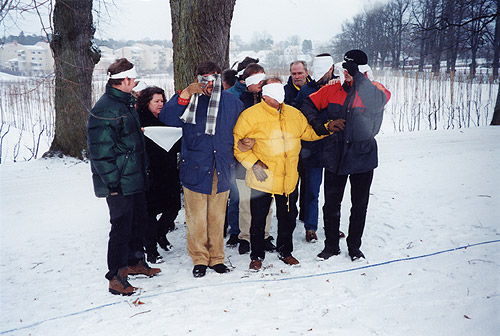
(290, 81)
(270, 109)
(118, 94)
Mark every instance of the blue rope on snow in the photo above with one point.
(255, 281)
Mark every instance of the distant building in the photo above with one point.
(35, 60)
(29, 60)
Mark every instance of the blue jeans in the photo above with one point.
(311, 183)
(233, 212)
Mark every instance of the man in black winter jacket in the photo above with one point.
(118, 163)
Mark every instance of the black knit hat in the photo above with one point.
(243, 64)
(357, 56)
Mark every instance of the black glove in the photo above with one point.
(115, 190)
(351, 67)
(258, 170)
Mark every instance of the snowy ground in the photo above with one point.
(432, 245)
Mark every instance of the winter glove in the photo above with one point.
(115, 190)
(191, 90)
(336, 125)
(258, 170)
(245, 144)
(351, 67)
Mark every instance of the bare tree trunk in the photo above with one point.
(74, 57)
(496, 43)
(496, 112)
(200, 32)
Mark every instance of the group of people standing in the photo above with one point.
(330, 124)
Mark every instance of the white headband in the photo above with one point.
(275, 91)
(338, 70)
(321, 66)
(255, 79)
(124, 74)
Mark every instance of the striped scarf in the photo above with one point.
(189, 115)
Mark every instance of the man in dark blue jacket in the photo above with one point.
(207, 115)
(311, 168)
(356, 106)
(118, 161)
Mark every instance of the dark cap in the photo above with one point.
(357, 56)
(243, 64)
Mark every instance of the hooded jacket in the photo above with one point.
(353, 150)
(116, 145)
(277, 136)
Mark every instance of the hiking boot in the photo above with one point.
(244, 247)
(119, 285)
(327, 253)
(255, 265)
(356, 255)
(220, 268)
(290, 260)
(233, 240)
(199, 271)
(311, 236)
(268, 244)
(164, 243)
(143, 268)
(341, 234)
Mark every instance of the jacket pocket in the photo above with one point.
(189, 171)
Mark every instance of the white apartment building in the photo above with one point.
(31, 60)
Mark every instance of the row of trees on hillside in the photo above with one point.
(424, 33)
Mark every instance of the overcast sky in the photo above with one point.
(317, 20)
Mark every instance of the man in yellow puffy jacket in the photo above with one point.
(271, 164)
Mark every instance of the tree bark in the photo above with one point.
(75, 57)
(200, 32)
(496, 113)
(496, 43)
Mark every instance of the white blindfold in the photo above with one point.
(254, 79)
(275, 91)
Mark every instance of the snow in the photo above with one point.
(432, 244)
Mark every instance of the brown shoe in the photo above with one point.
(311, 236)
(290, 260)
(119, 285)
(255, 265)
(143, 268)
(341, 234)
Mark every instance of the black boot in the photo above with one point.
(164, 243)
(153, 256)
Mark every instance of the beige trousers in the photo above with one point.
(245, 216)
(205, 215)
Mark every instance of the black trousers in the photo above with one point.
(334, 187)
(128, 217)
(259, 208)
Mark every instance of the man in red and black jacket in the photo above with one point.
(356, 105)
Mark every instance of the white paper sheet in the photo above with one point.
(165, 137)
